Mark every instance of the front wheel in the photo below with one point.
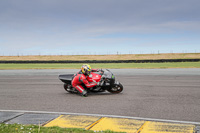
(116, 89)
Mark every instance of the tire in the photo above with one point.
(66, 87)
(117, 89)
(69, 88)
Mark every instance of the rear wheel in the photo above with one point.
(66, 87)
(69, 88)
(117, 89)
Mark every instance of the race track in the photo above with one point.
(172, 94)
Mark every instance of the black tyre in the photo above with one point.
(117, 89)
(67, 87)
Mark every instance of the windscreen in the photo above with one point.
(107, 73)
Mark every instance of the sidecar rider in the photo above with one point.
(81, 78)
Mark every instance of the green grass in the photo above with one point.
(18, 128)
(102, 65)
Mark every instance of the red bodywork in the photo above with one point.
(89, 81)
(94, 77)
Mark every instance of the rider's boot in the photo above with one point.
(84, 93)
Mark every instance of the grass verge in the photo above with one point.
(103, 65)
(105, 57)
(18, 128)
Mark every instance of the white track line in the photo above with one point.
(113, 116)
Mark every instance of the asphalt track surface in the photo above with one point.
(171, 94)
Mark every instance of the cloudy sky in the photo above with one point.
(60, 27)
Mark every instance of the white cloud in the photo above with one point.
(36, 25)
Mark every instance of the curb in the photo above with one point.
(97, 122)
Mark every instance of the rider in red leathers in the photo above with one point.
(81, 78)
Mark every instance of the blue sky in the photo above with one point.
(61, 27)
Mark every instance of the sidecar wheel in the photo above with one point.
(117, 89)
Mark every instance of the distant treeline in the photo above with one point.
(105, 61)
